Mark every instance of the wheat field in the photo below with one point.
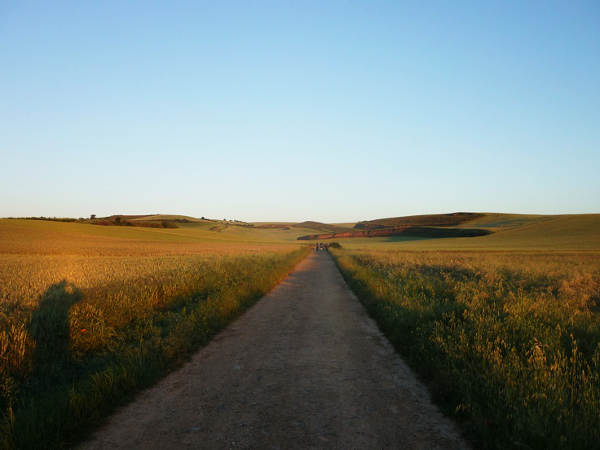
(90, 314)
(508, 342)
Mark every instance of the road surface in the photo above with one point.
(304, 368)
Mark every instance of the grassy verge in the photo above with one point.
(509, 344)
(79, 352)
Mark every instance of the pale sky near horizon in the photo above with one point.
(295, 110)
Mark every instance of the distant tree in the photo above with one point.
(92, 217)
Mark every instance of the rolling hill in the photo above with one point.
(569, 232)
(426, 220)
(469, 231)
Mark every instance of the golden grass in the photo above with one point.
(509, 342)
(33, 237)
(89, 314)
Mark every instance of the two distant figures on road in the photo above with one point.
(321, 247)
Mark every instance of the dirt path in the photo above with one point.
(304, 368)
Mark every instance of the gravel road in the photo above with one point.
(304, 368)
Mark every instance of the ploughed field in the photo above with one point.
(90, 314)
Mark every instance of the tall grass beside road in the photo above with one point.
(509, 343)
(79, 335)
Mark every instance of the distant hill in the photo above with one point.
(271, 226)
(426, 220)
(568, 231)
(167, 217)
(145, 220)
(423, 232)
(427, 226)
(319, 226)
(504, 221)
(499, 231)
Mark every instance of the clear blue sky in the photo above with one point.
(299, 110)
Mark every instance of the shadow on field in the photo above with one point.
(50, 330)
